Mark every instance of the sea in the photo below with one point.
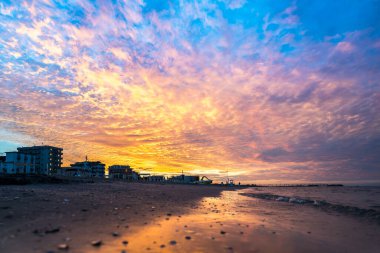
(362, 197)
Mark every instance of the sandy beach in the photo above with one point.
(136, 217)
(36, 218)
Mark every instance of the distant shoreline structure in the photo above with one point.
(298, 185)
(17, 179)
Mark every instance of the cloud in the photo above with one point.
(198, 86)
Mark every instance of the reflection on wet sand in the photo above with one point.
(210, 227)
(119, 217)
(234, 223)
(44, 218)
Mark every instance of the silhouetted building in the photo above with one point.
(74, 172)
(122, 172)
(184, 179)
(17, 163)
(48, 159)
(146, 177)
(89, 169)
(156, 178)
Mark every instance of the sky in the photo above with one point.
(270, 91)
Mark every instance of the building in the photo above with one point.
(88, 169)
(48, 159)
(122, 172)
(147, 177)
(74, 172)
(183, 179)
(156, 178)
(17, 163)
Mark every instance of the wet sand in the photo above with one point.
(37, 218)
(129, 217)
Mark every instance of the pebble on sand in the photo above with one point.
(63, 246)
(115, 234)
(52, 230)
(96, 243)
(173, 242)
(125, 242)
(188, 237)
(222, 232)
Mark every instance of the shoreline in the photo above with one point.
(20, 179)
(121, 216)
(369, 214)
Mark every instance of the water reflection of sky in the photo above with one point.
(235, 223)
(213, 225)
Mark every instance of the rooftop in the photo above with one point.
(39, 147)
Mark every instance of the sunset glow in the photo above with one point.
(270, 91)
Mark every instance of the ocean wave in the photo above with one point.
(321, 204)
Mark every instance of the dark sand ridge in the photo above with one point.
(38, 217)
